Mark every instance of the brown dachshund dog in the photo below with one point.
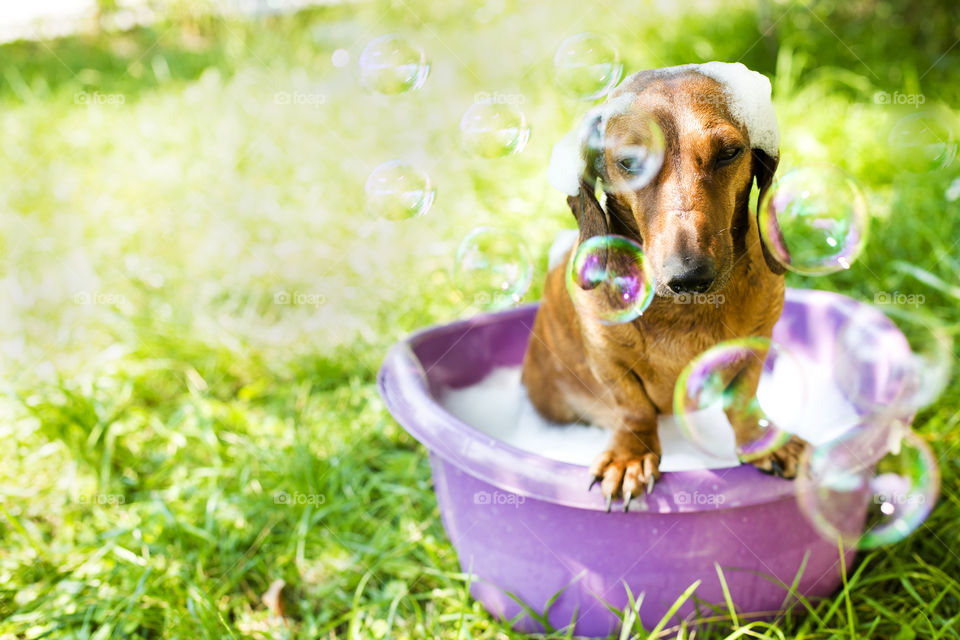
(694, 223)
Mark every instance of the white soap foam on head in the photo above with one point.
(748, 95)
(498, 406)
(566, 165)
(748, 98)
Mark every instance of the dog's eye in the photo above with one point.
(728, 155)
(632, 164)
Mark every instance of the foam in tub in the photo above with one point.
(498, 406)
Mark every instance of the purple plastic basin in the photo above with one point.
(527, 528)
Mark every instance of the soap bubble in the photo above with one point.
(398, 190)
(622, 163)
(608, 279)
(391, 64)
(716, 382)
(893, 366)
(493, 268)
(587, 65)
(922, 142)
(493, 130)
(814, 220)
(868, 500)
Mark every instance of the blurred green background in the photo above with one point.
(160, 392)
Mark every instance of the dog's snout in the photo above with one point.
(689, 275)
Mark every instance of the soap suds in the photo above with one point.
(748, 98)
(566, 165)
(498, 405)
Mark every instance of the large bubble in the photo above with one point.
(722, 381)
(587, 65)
(398, 190)
(493, 130)
(922, 142)
(814, 220)
(622, 147)
(892, 365)
(865, 499)
(493, 268)
(391, 64)
(608, 279)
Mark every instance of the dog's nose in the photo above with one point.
(689, 275)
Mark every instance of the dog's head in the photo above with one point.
(693, 217)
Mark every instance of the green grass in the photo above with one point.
(148, 435)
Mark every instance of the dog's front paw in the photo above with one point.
(783, 462)
(625, 473)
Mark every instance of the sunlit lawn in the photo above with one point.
(161, 200)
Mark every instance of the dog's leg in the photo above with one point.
(744, 416)
(631, 463)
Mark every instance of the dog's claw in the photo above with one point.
(784, 462)
(624, 476)
(596, 480)
(776, 468)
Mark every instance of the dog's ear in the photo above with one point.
(591, 218)
(764, 166)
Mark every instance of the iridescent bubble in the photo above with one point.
(814, 220)
(922, 142)
(398, 190)
(868, 500)
(587, 65)
(625, 156)
(609, 279)
(391, 64)
(493, 268)
(721, 382)
(892, 366)
(493, 130)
